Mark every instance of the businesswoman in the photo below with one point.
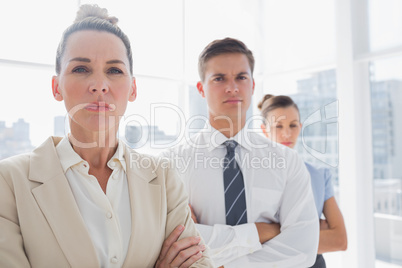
(282, 125)
(87, 200)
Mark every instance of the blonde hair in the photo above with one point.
(93, 17)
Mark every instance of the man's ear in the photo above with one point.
(56, 89)
(200, 89)
(253, 87)
(133, 93)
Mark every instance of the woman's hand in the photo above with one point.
(179, 253)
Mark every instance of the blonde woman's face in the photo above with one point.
(283, 126)
(94, 81)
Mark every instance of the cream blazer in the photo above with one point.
(41, 225)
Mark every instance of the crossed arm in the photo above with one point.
(180, 253)
(266, 231)
(262, 244)
(332, 230)
(183, 246)
(183, 253)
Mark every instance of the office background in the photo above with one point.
(340, 60)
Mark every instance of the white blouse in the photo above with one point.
(106, 216)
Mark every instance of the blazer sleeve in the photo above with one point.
(12, 252)
(178, 212)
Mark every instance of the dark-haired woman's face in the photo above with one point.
(94, 81)
(283, 126)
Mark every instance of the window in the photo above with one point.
(32, 30)
(385, 24)
(314, 51)
(386, 105)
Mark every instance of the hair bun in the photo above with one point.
(266, 97)
(87, 11)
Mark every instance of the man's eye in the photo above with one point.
(218, 79)
(242, 78)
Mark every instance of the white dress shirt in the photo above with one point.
(277, 186)
(106, 216)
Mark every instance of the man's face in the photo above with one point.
(228, 86)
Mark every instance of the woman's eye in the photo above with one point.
(79, 70)
(278, 126)
(115, 71)
(293, 126)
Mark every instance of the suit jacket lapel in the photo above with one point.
(55, 199)
(147, 229)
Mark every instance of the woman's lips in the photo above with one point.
(98, 107)
(287, 143)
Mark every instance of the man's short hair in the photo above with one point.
(223, 46)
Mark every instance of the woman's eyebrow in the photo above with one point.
(80, 59)
(115, 61)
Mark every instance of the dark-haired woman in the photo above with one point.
(282, 125)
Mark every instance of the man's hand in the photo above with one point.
(267, 231)
(179, 253)
(193, 214)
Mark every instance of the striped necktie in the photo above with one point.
(235, 197)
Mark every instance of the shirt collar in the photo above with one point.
(118, 157)
(68, 157)
(215, 138)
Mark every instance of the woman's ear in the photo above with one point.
(133, 93)
(55, 89)
(264, 130)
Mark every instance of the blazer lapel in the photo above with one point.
(147, 229)
(55, 199)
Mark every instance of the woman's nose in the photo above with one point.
(286, 132)
(99, 85)
(103, 90)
